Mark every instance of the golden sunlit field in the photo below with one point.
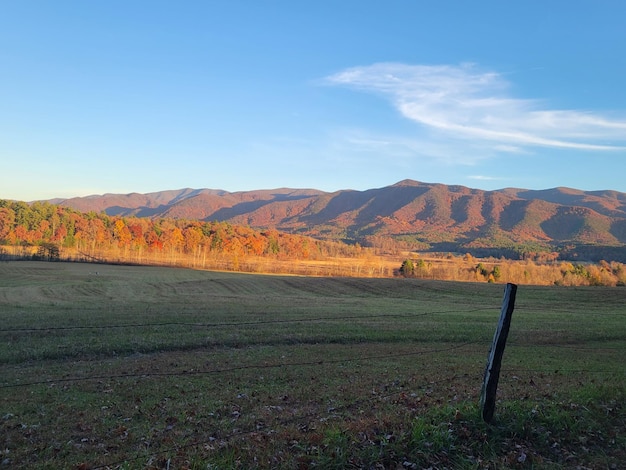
(107, 366)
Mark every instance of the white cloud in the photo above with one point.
(485, 178)
(461, 105)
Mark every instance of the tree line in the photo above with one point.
(44, 228)
(527, 271)
(45, 231)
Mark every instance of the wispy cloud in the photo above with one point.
(469, 106)
(402, 148)
(486, 178)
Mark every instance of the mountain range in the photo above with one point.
(419, 215)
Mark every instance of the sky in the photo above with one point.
(124, 96)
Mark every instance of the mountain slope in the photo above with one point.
(431, 214)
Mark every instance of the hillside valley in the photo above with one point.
(420, 216)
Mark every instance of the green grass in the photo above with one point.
(140, 367)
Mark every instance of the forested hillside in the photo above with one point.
(47, 228)
(44, 231)
(409, 215)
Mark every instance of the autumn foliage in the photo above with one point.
(560, 273)
(35, 228)
(49, 232)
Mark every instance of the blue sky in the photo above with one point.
(140, 96)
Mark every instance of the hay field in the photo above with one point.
(142, 367)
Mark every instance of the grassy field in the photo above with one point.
(142, 367)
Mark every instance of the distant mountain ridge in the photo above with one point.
(426, 214)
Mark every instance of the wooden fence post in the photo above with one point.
(492, 371)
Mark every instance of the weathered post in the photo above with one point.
(492, 371)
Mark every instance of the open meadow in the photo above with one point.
(105, 366)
